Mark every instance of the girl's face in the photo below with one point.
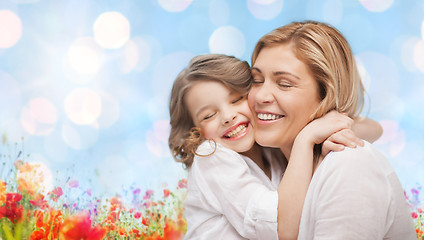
(223, 115)
(283, 97)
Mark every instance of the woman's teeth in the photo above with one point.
(236, 131)
(267, 117)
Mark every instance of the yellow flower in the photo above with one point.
(2, 192)
(30, 178)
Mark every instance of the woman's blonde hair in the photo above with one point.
(184, 137)
(329, 58)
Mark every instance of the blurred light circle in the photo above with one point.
(384, 79)
(129, 58)
(264, 2)
(365, 77)
(398, 144)
(174, 5)
(110, 111)
(40, 178)
(24, 1)
(376, 5)
(83, 106)
(227, 40)
(157, 138)
(39, 117)
(407, 53)
(79, 137)
(164, 74)
(219, 12)
(332, 11)
(422, 30)
(85, 56)
(54, 146)
(419, 55)
(10, 96)
(115, 173)
(111, 30)
(144, 53)
(390, 131)
(266, 9)
(10, 28)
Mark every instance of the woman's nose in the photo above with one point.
(263, 94)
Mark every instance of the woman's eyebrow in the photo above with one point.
(256, 69)
(277, 73)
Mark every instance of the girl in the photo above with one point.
(234, 185)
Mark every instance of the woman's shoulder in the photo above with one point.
(356, 159)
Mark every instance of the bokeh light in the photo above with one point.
(110, 114)
(419, 55)
(384, 79)
(39, 117)
(332, 12)
(10, 100)
(219, 12)
(174, 6)
(265, 9)
(144, 53)
(85, 57)
(129, 57)
(10, 28)
(83, 106)
(111, 30)
(79, 137)
(376, 5)
(157, 138)
(407, 53)
(227, 40)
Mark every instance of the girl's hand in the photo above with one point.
(322, 128)
(339, 140)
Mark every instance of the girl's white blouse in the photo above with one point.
(230, 197)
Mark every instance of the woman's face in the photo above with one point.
(223, 115)
(283, 97)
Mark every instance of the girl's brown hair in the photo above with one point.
(184, 137)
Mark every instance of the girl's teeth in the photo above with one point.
(236, 131)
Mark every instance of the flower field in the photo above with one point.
(27, 213)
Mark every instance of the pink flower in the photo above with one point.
(73, 184)
(182, 183)
(88, 192)
(136, 191)
(166, 193)
(137, 215)
(414, 215)
(148, 194)
(56, 193)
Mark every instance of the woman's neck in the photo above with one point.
(256, 154)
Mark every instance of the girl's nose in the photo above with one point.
(229, 117)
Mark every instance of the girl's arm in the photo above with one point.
(294, 185)
(367, 129)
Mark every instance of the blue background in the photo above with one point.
(125, 144)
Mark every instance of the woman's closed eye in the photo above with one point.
(285, 84)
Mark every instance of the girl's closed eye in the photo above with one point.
(237, 100)
(208, 116)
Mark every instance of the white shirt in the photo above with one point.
(230, 197)
(355, 194)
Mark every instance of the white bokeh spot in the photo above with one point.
(10, 28)
(227, 40)
(111, 30)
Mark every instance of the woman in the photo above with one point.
(301, 71)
